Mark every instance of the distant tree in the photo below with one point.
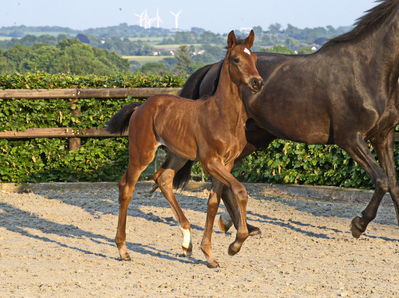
(6, 65)
(197, 30)
(20, 56)
(258, 31)
(83, 38)
(154, 68)
(275, 28)
(279, 49)
(184, 61)
(305, 51)
(169, 62)
(44, 58)
(320, 41)
(69, 55)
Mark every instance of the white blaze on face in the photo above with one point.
(246, 51)
(186, 237)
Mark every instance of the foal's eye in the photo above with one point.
(236, 60)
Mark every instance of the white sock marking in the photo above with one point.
(186, 237)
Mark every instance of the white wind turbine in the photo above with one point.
(158, 19)
(141, 18)
(176, 15)
(146, 20)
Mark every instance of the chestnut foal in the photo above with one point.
(211, 131)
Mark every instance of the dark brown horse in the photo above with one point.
(211, 131)
(346, 94)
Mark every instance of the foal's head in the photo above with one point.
(242, 62)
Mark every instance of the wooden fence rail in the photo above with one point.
(74, 94)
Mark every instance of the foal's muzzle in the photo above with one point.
(256, 84)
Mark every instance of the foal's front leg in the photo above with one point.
(213, 204)
(215, 168)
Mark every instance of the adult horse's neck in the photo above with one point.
(384, 43)
(227, 96)
(374, 45)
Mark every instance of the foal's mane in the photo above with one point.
(372, 20)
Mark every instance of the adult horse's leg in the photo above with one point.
(384, 147)
(257, 139)
(164, 179)
(221, 173)
(213, 204)
(232, 217)
(361, 154)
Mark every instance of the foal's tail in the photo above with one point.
(120, 121)
(183, 175)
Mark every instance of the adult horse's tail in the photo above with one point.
(120, 121)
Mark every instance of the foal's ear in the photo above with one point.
(249, 41)
(231, 39)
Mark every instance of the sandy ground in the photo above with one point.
(59, 243)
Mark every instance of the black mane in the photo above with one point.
(372, 20)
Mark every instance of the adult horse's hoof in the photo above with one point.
(253, 231)
(357, 227)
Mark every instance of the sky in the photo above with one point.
(215, 15)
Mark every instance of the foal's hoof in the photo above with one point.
(212, 264)
(253, 231)
(233, 249)
(187, 251)
(125, 257)
(356, 227)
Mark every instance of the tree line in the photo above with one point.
(68, 56)
(98, 50)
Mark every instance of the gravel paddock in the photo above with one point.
(57, 240)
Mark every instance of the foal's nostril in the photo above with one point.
(256, 84)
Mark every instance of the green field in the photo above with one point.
(147, 39)
(174, 46)
(5, 38)
(145, 59)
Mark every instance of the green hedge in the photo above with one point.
(298, 163)
(41, 160)
(104, 159)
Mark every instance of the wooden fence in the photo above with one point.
(74, 95)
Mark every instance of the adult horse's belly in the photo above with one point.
(292, 119)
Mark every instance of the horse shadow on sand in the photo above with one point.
(19, 221)
(105, 201)
(317, 209)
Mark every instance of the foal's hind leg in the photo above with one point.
(138, 161)
(164, 179)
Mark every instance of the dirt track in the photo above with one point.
(60, 243)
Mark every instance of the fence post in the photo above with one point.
(74, 143)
